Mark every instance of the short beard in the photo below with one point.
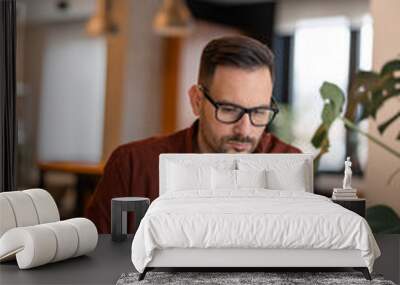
(205, 133)
(220, 146)
(237, 139)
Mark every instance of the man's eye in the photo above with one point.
(229, 109)
(260, 112)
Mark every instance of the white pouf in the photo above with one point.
(45, 205)
(7, 218)
(23, 208)
(40, 244)
(31, 231)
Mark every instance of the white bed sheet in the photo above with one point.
(250, 218)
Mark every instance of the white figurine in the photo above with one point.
(347, 174)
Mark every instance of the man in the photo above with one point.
(233, 103)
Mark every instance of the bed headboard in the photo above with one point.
(269, 161)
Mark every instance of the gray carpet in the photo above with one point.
(225, 278)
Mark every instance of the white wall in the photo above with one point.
(143, 74)
(72, 97)
(381, 164)
(142, 110)
(192, 47)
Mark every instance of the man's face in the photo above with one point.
(246, 88)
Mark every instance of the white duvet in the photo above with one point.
(252, 218)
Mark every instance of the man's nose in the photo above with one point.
(243, 126)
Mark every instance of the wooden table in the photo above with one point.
(87, 175)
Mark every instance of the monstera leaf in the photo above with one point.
(383, 219)
(382, 127)
(371, 90)
(358, 93)
(368, 92)
(333, 104)
(334, 99)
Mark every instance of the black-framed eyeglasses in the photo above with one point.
(230, 113)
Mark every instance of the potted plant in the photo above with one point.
(368, 92)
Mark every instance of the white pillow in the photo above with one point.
(251, 178)
(187, 177)
(293, 180)
(224, 179)
(280, 174)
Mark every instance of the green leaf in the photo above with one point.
(358, 92)
(371, 90)
(390, 67)
(333, 103)
(334, 94)
(383, 89)
(334, 98)
(382, 127)
(367, 93)
(394, 230)
(362, 82)
(328, 114)
(319, 136)
(382, 218)
(376, 102)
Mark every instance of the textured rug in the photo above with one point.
(228, 278)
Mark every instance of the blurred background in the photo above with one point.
(94, 74)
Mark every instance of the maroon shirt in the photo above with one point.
(132, 169)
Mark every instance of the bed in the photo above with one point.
(245, 211)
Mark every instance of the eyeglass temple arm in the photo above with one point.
(274, 104)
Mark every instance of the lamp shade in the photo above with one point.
(173, 19)
(100, 23)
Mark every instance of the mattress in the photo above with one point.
(251, 219)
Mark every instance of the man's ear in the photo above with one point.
(196, 98)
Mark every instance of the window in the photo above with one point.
(326, 49)
(321, 53)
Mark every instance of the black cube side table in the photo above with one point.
(119, 208)
(355, 205)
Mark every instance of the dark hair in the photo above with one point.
(237, 51)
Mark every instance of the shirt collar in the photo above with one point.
(264, 144)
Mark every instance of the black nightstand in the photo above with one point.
(355, 205)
